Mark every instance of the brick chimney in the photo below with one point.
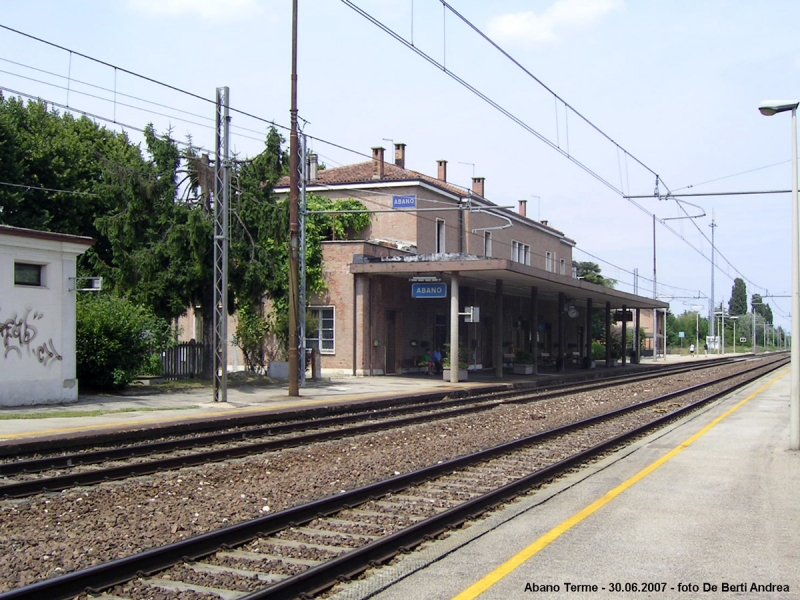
(442, 169)
(400, 155)
(478, 187)
(313, 167)
(377, 162)
(523, 208)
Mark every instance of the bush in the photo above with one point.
(116, 340)
(523, 357)
(251, 333)
(598, 351)
(462, 357)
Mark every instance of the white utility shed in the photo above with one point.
(37, 316)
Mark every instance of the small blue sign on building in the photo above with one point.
(400, 202)
(429, 290)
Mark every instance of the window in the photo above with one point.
(520, 253)
(322, 335)
(574, 272)
(440, 247)
(548, 262)
(563, 267)
(487, 244)
(27, 274)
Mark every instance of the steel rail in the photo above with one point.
(290, 424)
(346, 566)
(260, 421)
(31, 487)
(322, 576)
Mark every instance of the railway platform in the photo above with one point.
(706, 508)
(153, 406)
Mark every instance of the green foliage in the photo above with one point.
(688, 322)
(251, 334)
(462, 357)
(761, 308)
(589, 271)
(150, 211)
(738, 302)
(598, 351)
(45, 149)
(115, 340)
(523, 357)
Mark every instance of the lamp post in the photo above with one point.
(721, 337)
(770, 108)
(697, 310)
(732, 318)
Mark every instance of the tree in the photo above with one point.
(40, 148)
(761, 308)
(693, 325)
(151, 211)
(590, 272)
(738, 302)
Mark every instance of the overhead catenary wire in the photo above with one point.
(173, 88)
(524, 125)
(45, 189)
(345, 148)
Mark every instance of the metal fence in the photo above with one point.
(183, 361)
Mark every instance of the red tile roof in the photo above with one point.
(361, 173)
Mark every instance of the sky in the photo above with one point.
(605, 95)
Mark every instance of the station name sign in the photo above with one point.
(400, 202)
(429, 290)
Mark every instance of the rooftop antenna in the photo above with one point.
(538, 207)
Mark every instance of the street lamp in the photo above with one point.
(770, 108)
(697, 310)
(721, 337)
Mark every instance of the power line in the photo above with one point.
(173, 88)
(686, 187)
(92, 115)
(35, 187)
(530, 129)
(409, 45)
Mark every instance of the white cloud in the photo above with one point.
(207, 10)
(528, 27)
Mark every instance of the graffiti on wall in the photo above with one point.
(19, 337)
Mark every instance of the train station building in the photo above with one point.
(440, 263)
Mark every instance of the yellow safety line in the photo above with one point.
(517, 561)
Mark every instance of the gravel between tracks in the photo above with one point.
(50, 535)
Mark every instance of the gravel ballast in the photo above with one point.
(49, 535)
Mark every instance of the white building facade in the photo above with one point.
(37, 316)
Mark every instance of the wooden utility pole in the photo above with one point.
(294, 224)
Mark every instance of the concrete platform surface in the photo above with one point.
(153, 405)
(148, 406)
(707, 508)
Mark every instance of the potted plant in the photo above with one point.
(462, 363)
(523, 362)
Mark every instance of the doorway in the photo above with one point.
(391, 338)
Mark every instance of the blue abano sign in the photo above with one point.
(409, 201)
(429, 290)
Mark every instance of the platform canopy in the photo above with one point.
(483, 273)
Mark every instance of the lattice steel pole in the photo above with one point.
(221, 231)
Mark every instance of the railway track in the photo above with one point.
(21, 478)
(306, 549)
